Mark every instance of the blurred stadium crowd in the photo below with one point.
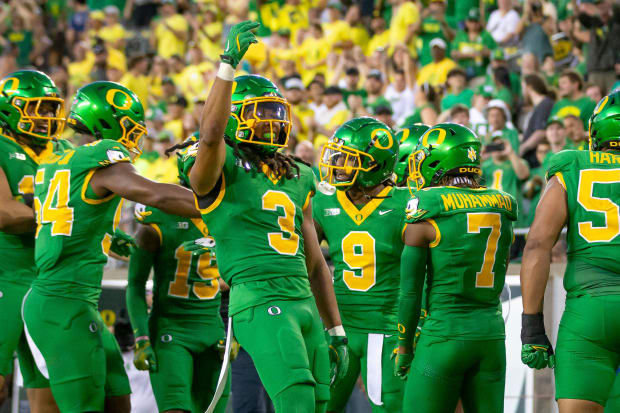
(525, 76)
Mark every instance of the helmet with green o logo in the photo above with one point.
(30, 104)
(604, 128)
(363, 151)
(446, 149)
(108, 110)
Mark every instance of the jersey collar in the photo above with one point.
(359, 215)
(49, 149)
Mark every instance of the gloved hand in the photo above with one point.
(238, 41)
(402, 364)
(122, 243)
(200, 246)
(144, 356)
(338, 355)
(536, 350)
(234, 348)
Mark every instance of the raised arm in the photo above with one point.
(212, 149)
(15, 217)
(123, 179)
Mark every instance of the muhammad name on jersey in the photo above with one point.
(463, 201)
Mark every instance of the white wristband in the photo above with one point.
(336, 331)
(226, 72)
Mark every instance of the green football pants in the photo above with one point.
(73, 347)
(13, 338)
(188, 363)
(286, 342)
(445, 370)
(370, 354)
(588, 343)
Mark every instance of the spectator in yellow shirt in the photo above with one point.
(436, 72)
(113, 32)
(402, 26)
(171, 31)
(79, 69)
(380, 38)
(174, 117)
(336, 30)
(332, 113)
(136, 78)
(301, 114)
(208, 31)
(193, 81)
(313, 53)
(356, 32)
(293, 15)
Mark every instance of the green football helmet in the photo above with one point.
(108, 110)
(407, 138)
(446, 149)
(30, 104)
(256, 104)
(186, 157)
(362, 151)
(604, 128)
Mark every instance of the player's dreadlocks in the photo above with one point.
(279, 163)
(178, 146)
(461, 181)
(282, 165)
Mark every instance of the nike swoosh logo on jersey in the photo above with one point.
(385, 212)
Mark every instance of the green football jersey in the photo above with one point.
(74, 226)
(19, 163)
(178, 275)
(256, 221)
(365, 245)
(467, 261)
(592, 183)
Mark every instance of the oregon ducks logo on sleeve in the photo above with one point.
(377, 141)
(111, 95)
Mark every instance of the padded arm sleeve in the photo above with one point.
(412, 273)
(139, 269)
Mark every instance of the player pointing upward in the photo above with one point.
(256, 203)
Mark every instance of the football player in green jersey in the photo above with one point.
(459, 235)
(78, 205)
(256, 203)
(363, 223)
(583, 193)
(178, 342)
(407, 138)
(32, 118)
